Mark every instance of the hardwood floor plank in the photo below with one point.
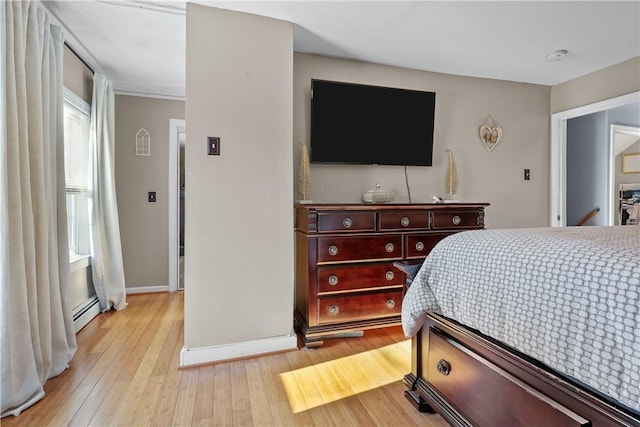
(259, 399)
(109, 405)
(169, 392)
(222, 406)
(150, 328)
(72, 403)
(126, 373)
(281, 414)
(103, 376)
(166, 357)
(149, 349)
(203, 406)
(274, 365)
(239, 387)
(185, 402)
(149, 401)
(322, 416)
(242, 417)
(357, 411)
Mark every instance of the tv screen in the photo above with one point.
(362, 124)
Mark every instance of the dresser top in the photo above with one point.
(385, 206)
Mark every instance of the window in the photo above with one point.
(77, 171)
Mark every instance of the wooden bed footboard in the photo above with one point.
(471, 380)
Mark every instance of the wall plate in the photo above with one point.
(213, 145)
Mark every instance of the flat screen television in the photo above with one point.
(374, 125)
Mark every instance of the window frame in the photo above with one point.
(79, 225)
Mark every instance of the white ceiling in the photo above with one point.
(140, 45)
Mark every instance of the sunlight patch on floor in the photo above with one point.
(329, 381)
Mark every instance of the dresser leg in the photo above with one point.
(312, 343)
(318, 340)
(417, 401)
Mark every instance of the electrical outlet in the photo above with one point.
(527, 174)
(152, 196)
(213, 145)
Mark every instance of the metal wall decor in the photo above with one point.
(490, 134)
(143, 143)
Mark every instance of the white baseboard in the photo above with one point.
(202, 355)
(147, 289)
(86, 317)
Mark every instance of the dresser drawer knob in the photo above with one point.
(333, 280)
(347, 222)
(391, 303)
(333, 310)
(443, 367)
(333, 250)
(405, 221)
(390, 275)
(389, 247)
(456, 220)
(420, 246)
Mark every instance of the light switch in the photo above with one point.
(213, 145)
(152, 196)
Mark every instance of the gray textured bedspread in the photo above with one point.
(568, 297)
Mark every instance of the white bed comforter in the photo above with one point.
(568, 297)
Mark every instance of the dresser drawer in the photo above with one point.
(340, 278)
(357, 248)
(359, 306)
(454, 219)
(349, 221)
(455, 372)
(419, 245)
(403, 220)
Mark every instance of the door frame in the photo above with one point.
(559, 153)
(176, 126)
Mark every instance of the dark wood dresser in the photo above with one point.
(346, 280)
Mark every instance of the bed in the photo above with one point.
(528, 327)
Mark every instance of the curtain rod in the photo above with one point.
(79, 57)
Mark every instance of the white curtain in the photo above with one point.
(106, 264)
(36, 332)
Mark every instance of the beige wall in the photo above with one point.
(77, 77)
(462, 106)
(239, 215)
(610, 82)
(144, 225)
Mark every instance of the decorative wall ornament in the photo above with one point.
(304, 173)
(143, 143)
(451, 177)
(490, 134)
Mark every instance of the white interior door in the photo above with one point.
(177, 138)
(559, 149)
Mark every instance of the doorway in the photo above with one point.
(177, 141)
(626, 144)
(559, 158)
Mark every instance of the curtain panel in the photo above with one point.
(107, 266)
(37, 339)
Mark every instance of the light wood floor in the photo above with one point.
(125, 372)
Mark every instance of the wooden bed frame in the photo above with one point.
(470, 379)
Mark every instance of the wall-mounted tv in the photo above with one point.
(374, 125)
